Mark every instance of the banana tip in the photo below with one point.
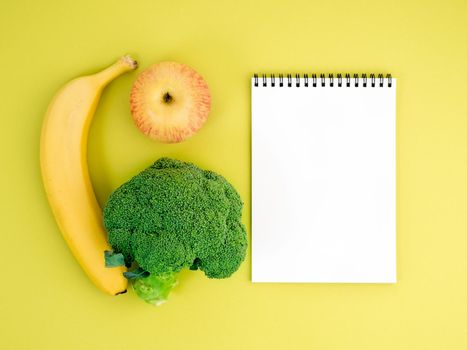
(131, 62)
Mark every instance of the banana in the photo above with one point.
(63, 159)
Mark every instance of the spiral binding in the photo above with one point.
(321, 81)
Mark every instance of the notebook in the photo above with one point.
(323, 178)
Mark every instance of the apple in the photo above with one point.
(170, 102)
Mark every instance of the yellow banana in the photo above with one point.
(63, 158)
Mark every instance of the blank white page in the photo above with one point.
(323, 182)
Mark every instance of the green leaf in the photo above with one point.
(113, 260)
(136, 273)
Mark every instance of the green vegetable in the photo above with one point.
(172, 216)
(156, 288)
(113, 260)
(136, 273)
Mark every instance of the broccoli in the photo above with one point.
(174, 215)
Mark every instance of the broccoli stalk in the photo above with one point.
(155, 289)
(174, 215)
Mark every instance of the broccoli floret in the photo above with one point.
(174, 215)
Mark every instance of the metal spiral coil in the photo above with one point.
(359, 80)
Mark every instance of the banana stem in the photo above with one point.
(124, 64)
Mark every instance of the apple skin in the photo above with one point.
(170, 102)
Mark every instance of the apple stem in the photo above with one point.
(167, 98)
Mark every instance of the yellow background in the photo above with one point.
(46, 301)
